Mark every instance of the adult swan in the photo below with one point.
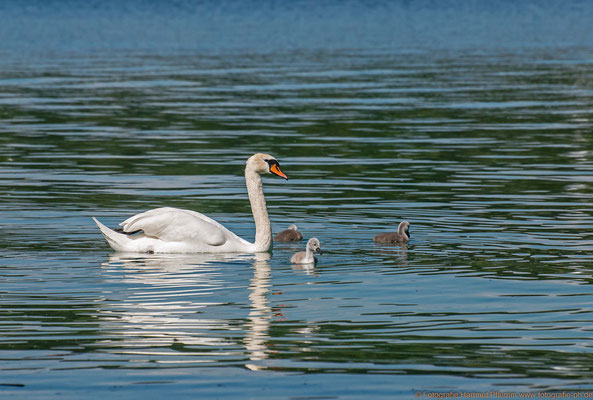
(172, 230)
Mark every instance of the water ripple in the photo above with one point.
(487, 156)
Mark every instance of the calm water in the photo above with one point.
(486, 150)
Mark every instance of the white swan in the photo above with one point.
(172, 230)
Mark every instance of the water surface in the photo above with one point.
(488, 155)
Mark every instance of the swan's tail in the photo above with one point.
(117, 241)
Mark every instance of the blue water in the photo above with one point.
(272, 26)
(470, 120)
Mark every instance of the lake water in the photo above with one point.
(478, 133)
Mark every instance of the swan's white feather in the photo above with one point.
(173, 230)
(176, 225)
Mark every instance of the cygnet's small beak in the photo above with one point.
(275, 169)
(318, 250)
(408, 233)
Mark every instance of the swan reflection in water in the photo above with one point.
(307, 269)
(169, 305)
(258, 325)
(397, 251)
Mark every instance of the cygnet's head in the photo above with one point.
(313, 245)
(404, 227)
(293, 227)
(264, 164)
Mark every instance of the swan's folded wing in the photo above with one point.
(175, 225)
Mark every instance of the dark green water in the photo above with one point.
(487, 152)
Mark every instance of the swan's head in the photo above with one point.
(314, 245)
(404, 227)
(265, 164)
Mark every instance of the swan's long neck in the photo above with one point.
(402, 230)
(309, 257)
(263, 229)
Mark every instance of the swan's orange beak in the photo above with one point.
(275, 169)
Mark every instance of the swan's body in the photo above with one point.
(172, 230)
(307, 257)
(402, 234)
(289, 235)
